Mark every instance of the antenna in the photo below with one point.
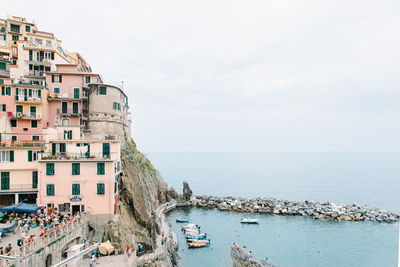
(122, 85)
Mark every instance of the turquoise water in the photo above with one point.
(362, 178)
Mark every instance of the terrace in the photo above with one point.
(21, 143)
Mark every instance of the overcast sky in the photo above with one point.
(250, 75)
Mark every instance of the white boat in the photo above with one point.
(249, 221)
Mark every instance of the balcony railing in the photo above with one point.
(35, 74)
(71, 112)
(18, 187)
(21, 143)
(24, 116)
(39, 59)
(27, 99)
(74, 156)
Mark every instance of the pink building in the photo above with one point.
(78, 174)
(68, 92)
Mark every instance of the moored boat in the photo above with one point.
(197, 245)
(182, 221)
(201, 237)
(249, 221)
(207, 241)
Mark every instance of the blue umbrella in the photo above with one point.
(22, 207)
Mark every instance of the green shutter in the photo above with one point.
(30, 92)
(56, 90)
(5, 180)
(29, 155)
(100, 189)
(76, 93)
(100, 168)
(3, 90)
(11, 155)
(25, 94)
(52, 78)
(34, 179)
(76, 168)
(50, 189)
(106, 150)
(8, 89)
(70, 134)
(76, 189)
(60, 80)
(40, 93)
(62, 147)
(53, 149)
(50, 169)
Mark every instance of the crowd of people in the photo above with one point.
(45, 222)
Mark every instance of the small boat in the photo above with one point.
(249, 221)
(182, 221)
(189, 226)
(207, 241)
(197, 245)
(201, 236)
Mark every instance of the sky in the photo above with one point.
(242, 75)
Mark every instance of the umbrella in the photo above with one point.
(22, 207)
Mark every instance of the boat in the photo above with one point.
(189, 226)
(249, 221)
(197, 245)
(207, 241)
(201, 236)
(182, 221)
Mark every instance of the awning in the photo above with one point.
(22, 207)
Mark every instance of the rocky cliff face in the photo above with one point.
(142, 190)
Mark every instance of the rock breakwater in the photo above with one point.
(317, 210)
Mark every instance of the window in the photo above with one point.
(33, 124)
(75, 108)
(118, 166)
(3, 107)
(50, 189)
(76, 93)
(14, 138)
(114, 105)
(50, 169)
(35, 137)
(48, 43)
(76, 168)
(100, 189)
(106, 150)
(56, 78)
(8, 91)
(5, 180)
(56, 90)
(119, 106)
(19, 108)
(7, 156)
(14, 37)
(2, 66)
(76, 189)
(68, 135)
(87, 79)
(65, 122)
(101, 168)
(33, 155)
(34, 179)
(103, 90)
(28, 29)
(13, 123)
(14, 28)
(38, 41)
(64, 107)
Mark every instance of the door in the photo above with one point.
(75, 209)
(64, 107)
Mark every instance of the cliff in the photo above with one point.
(142, 190)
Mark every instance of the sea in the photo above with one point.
(364, 178)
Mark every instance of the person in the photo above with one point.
(250, 255)
(1, 251)
(8, 249)
(26, 228)
(91, 261)
(128, 251)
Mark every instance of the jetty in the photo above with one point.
(316, 210)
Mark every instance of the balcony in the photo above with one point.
(69, 112)
(64, 97)
(24, 116)
(41, 60)
(21, 143)
(19, 188)
(48, 156)
(29, 100)
(35, 75)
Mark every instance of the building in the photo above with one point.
(61, 127)
(79, 174)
